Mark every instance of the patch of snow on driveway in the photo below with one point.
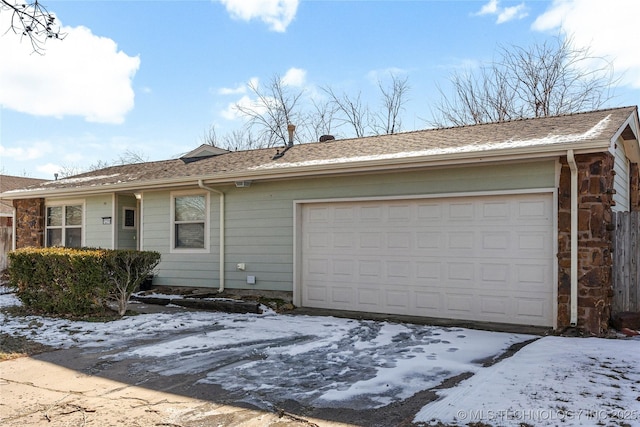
(315, 360)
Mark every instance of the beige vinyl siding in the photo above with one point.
(97, 234)
(179, 269)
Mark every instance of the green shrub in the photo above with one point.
(60, 281)
(127, 269)
(76, 282)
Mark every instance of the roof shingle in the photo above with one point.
(596, 126)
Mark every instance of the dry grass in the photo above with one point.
(12, 347)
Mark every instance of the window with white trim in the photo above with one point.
(190, 222)
(64, 225)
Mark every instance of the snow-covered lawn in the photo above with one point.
(332, 362)
(552, 381)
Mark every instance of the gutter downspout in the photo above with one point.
(574, 238)
(222, 227)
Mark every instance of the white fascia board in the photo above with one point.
(631, 147)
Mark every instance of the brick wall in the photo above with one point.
(595, 198)
(29, 223)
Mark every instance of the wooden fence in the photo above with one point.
(626, 262)
(6, 233)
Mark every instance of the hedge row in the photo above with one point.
(76, 282)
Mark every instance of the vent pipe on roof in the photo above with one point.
(326, 138)
(291, 129)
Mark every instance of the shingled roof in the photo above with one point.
(8, 182)
(526, 138)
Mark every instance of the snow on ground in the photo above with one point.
(552, 381)
(333, 362)
(321, 361)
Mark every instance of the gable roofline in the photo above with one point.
(629, 134)
(518, 140)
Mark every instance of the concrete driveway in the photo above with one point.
(187, 368)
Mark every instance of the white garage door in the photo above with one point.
(484, 258)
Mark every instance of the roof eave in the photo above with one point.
(327, 168)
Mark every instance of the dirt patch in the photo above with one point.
(13, 347)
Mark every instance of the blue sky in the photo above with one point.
(151, 77)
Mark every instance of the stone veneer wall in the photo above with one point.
(634, 183)
(595, 199)
(29, 223)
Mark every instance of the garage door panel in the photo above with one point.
(368, 298)
(459, 211)
(499, 275)
(531, 307)
(342, 294)
(398, 299)
(477, 258)
(429, 240)
(426, 270)
(399, 213)
(460, 303)
(316, 293)
(494, 305)
(344, 268)
(429, 211)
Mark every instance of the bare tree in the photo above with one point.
(130, 157)
(320, 121)
(275, 108)
(33, 21)
(68, 170)
(100, 164)
(393, 100)
(354, 113)
(542, 80)
(126, 158)
(240, 139)
(210, 136)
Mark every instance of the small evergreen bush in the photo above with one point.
(77, 282)
(59, 281)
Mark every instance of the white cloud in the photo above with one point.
(26, 151)
(232, 113)
(238, 90)
(82, 75)
(609, 29)
(513, 12)
(49, 169)
(278, 14)
(294, 77)
(504, 14)
(489, 8)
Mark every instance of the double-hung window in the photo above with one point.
(190, 222)
(64, 225)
